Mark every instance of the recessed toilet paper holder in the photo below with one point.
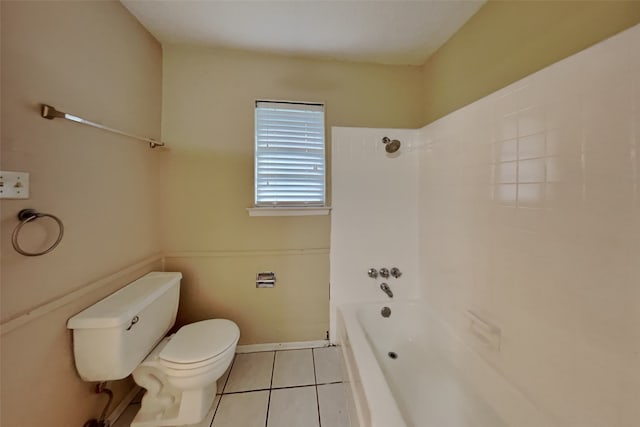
(266, 279)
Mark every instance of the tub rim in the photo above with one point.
(381, 404)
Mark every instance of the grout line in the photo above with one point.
(271, 388)
(226, 381)
(266, 419)
(315, 379)
(292, 386)
(246, 391)
(215, 411)
(233, 362)
(279, 388)
(331, 382)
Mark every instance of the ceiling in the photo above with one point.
(385, 32)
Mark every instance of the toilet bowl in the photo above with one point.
(124, 334)
(180, 374)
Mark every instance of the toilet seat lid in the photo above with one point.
(200, 341)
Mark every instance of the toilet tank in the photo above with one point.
(114, 335)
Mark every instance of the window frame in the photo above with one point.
(284, 208)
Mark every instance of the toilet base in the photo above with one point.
(178, 394)
(168, 409)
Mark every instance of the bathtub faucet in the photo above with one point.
(386, 289)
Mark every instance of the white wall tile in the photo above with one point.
(374, 216)
(551, 251)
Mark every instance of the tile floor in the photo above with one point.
(289, 388)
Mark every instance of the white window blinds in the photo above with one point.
(290, 154)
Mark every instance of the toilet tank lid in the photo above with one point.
(201, 341)
(121, 306)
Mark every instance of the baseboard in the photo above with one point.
(252, 348)
(122, 406)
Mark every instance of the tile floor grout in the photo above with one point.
(221, 411)
(271, 387)
(273, 368)
(315, 379)
(279, 388)
(215, 411)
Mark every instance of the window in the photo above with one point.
(289, 155)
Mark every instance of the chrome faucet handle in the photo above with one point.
(395, 272)
(384, 272)
(386, 289)
(373, 273)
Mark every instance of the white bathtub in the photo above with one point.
(435, 381)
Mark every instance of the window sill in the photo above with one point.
(288, 211)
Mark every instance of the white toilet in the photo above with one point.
(124, 334)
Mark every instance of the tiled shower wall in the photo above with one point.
(374, 216)
(529, 214)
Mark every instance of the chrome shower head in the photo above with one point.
(391, 146)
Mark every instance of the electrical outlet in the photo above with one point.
(14, 185)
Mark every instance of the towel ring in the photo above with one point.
(27, 215)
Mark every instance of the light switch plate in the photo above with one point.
(14, 185)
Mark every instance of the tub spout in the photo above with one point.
(386, 289)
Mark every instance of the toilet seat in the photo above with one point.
(199, 344)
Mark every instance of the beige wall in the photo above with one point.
(508, 40)
(208, 99)
(208, 118)
(95, 60)
(530, 216)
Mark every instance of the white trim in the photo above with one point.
(122, 406)
(235, 254)
(252, 348)
(46, 308)
(290, 105)
(288, 211)
(290, 151)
